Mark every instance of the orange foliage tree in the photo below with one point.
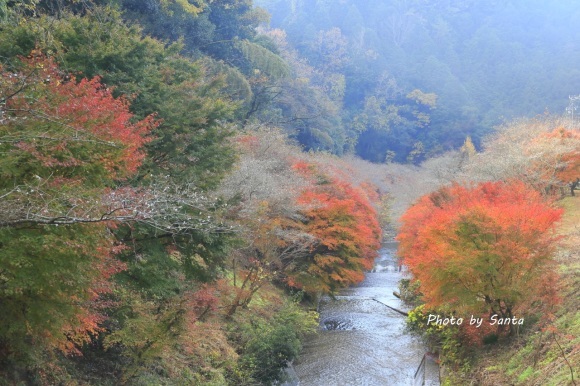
(68, 129)
(482, 249)
(566, 169)
(542, 152)
(340, 216)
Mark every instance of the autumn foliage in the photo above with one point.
(68, 147)
(345, 224)
(60, 127)
(63, 144)
(312, 227)
(542, 152)
(132, 250)
(485, 249)
(566, 161)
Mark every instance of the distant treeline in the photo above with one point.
(484, 60)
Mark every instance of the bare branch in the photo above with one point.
(164, 206)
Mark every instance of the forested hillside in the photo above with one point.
(181, 180)
(414, 78)
(153, 228)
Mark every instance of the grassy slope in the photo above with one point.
(543, 357)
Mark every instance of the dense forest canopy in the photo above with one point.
(160, 220)
(484, 60)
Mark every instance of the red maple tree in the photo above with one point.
(345, 224)
(479, 249)
(69, 129)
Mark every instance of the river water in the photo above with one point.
(362, 341)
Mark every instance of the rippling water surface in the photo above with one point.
(362, 341)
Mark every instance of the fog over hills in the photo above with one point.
(485, 61)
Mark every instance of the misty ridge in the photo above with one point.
(411, 79)
(190, 190)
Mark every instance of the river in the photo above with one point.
(362, 341)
